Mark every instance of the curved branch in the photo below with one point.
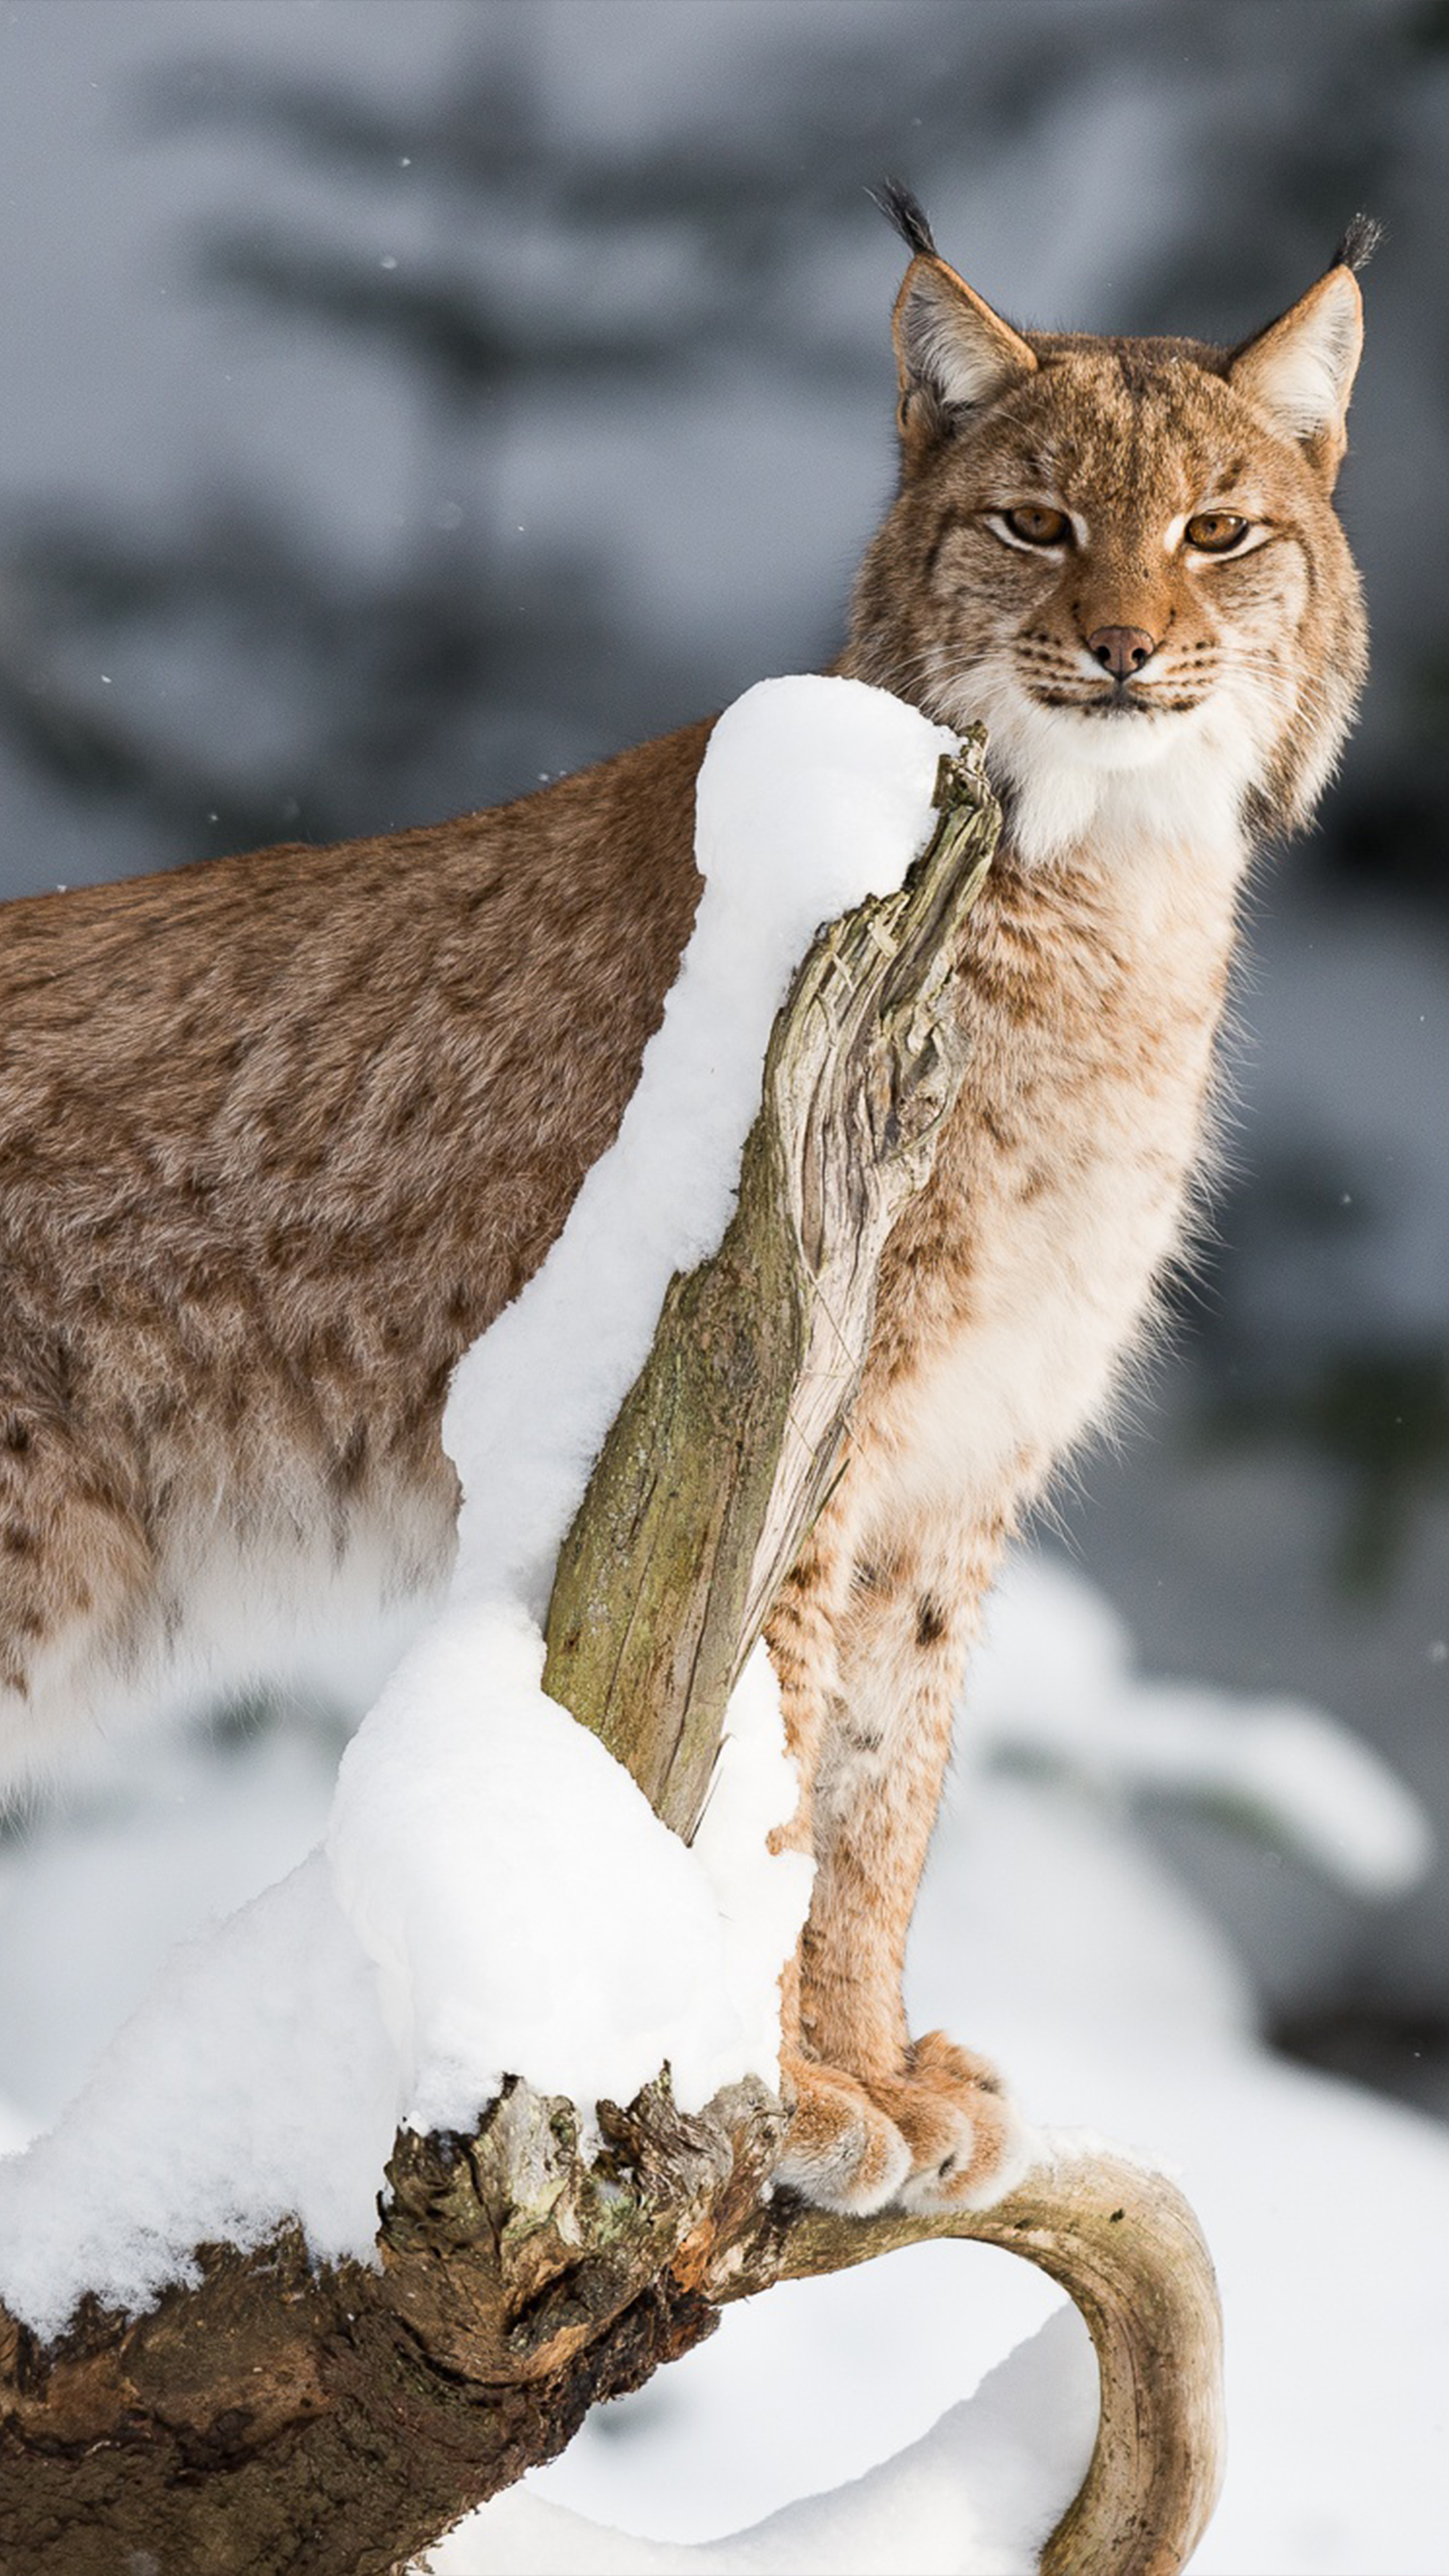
(1128, 2251)
(349, 2415)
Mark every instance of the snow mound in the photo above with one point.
(977, 2496)
(527, 1911)
(255, 2083)
(1055, 1687)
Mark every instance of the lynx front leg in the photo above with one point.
(870, 1653)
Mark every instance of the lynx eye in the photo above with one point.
(1215, 532)
(1036, 525)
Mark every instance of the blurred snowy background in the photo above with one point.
(409, 399)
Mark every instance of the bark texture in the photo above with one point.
(724, 1448)
(281, 2419)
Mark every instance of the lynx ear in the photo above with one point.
(1300, 370)
(952, 350)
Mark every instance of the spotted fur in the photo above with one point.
(280, 1135)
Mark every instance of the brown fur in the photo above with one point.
(280, 1135)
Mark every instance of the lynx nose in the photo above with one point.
(1122, 650)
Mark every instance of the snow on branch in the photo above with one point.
(726, 1445)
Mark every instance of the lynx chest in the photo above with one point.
(1019, 1280)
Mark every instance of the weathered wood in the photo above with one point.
(1127, 2249)
(287, 2420)
(724, 1448)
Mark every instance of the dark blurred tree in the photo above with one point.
(444, 684)
(1375, 1411)
(366, 701)
(356, 703)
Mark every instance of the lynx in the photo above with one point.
(282, 1134)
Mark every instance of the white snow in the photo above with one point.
(528, 1912)
(256, 2082)
(179, 1833)
(496, 1895)
(761, 1897)
(976, 2496)
(814, 793)
(1061, 1692)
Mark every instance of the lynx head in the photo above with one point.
(1122, 555)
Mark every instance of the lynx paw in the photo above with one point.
(968, 2144)
(841, 2151)
(941, 2135)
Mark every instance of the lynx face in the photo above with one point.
(1123, 557)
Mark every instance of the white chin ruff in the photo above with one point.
(1129, 740)
(1029, 741)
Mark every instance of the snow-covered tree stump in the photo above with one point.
(282, 2415)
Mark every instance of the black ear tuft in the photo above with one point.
(908, 215)
(1359, 243)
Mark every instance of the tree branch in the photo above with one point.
(725, 1446)
(335, 2420)
(1127, 2249)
